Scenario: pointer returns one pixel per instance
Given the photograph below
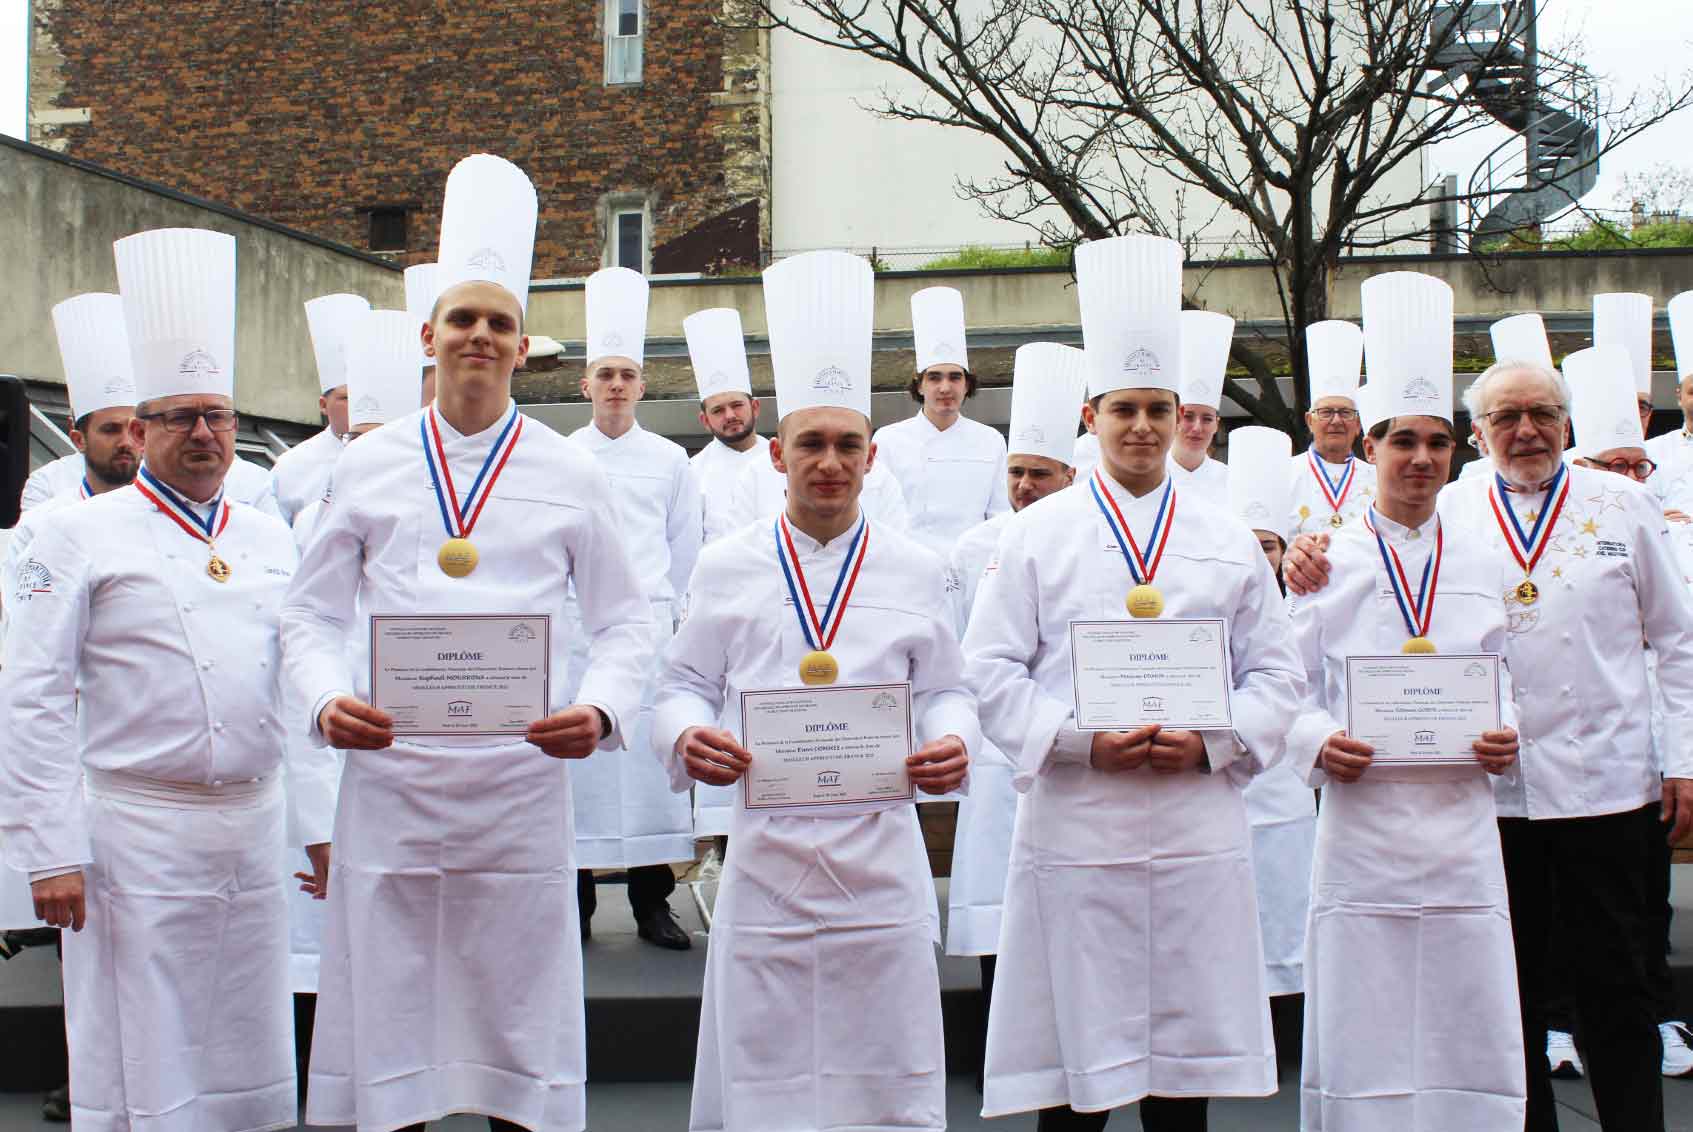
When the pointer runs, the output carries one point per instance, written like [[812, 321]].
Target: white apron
[[427, 928], [981, 857], [1411, 1019], [1283, 814], [176, 995], [822, 923], [626, 813]]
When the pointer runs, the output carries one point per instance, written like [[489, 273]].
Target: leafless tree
[[1286, 117]]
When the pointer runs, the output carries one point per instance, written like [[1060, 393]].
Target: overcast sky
[[1626, 41]]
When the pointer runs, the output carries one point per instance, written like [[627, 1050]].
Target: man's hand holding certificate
[[1420, 710]]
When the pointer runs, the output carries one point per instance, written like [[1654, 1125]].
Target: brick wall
[[312, 112]]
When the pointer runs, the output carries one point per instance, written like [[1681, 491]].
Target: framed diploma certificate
[[1422, 710], [1172, 672], [827, 747], [461, 674]]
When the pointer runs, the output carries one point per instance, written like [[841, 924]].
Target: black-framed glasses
[[1331, 414], [184, 420], [1541, 416], [1639, 469]]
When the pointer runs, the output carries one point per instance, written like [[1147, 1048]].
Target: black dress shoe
[[56, 1106], [659, 927]]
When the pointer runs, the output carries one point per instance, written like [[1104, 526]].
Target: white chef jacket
[[1101, 996], [301, 474], [1673, 481], [981, 844], [1608, 578], [55, 478], [435, 840], [245, 482], [169, 802], [1210, 479], [1411, 1015], [951, 479], [822, 1003], [717, 470], [761, 492], [1311, 511], [658, 502]]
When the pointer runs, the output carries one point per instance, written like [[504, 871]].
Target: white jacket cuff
[[61, 871]]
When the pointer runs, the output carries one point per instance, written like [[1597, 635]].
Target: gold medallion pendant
[[818, 668], [217, 569], [1527, 592], [1418, 646], [1336, 521], [1144, 601], [457, 557]]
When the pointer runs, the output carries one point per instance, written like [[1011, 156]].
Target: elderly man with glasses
[[1589, 582]]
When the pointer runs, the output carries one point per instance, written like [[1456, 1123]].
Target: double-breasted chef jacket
[[951, 478], [717, 470], [300, 475]]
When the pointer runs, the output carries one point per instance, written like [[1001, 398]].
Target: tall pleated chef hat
[[99, 373], [382, 377], [820, 309], [1408, 344], [1681, 332], [718, 351], [937, 324], [1368, 401], [488, 226], [1624, 319], [1334, 359], [1521, 338], [617, 315], [1206, 338], [1260, 490], [1603, 405], [178, 288], [331, 319], [1130, 290], [1048, 386], [423, 287]]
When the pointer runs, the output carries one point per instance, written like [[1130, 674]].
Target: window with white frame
[[629, 238], [625, 23]]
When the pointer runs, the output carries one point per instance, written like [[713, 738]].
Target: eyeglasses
[[1640, 469], [184, 420], [1542, 416], [1335, 414]]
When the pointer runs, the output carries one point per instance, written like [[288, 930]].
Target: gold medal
[[1418, 645], [1144, 601], [1527, 593], [457, 557], [1336, 521], [217, 569], [818, 668]]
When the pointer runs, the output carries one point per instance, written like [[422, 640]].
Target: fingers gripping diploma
[[1677, 807], [353, 725], [316, 883], [1123, 750], [1496, 750], [1345, 759], [570, 734], [712, 756], [59, 901], [940, 766], [1305, 566]]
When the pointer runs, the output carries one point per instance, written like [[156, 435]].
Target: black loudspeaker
[[14, 446]]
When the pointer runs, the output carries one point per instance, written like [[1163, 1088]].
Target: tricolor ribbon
[[1334, 492], [820, 631], [180, 511], [85, 490], [1528, 548], [460, 518], [1417, 611], [1141, 569]]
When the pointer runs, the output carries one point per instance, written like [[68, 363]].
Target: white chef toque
[[1681, 333], [1048, 385], [99, 373], [617, 315], [178, 288], [820, 309], [1408, 344], [331, 319], [1603, 404], [1624, 319], [1521, 338], [1130, 291], [488, 226], [1260, 490], [1206, 338], [422, 289], [718, 351], [1369, 401], [937, 325], [1334, 359], [381, 367]]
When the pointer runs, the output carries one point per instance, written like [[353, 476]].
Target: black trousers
[[649, 887], [495, 1124], [1589, 876], [1157, 1114]]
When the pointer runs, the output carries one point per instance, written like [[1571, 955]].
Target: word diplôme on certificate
[[828, 747], [461, 674], [1173, 672]]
